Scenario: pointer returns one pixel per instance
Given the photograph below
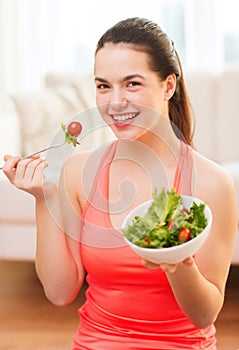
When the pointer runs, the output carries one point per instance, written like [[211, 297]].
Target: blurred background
[[39, 36]]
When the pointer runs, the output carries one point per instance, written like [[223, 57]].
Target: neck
[[150, 147], [162, 140]]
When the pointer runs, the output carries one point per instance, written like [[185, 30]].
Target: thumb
[[6, 157], [189, 261]]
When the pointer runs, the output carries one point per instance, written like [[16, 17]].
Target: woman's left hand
[[168, 268]]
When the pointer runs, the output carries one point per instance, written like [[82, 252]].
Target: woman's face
[[129, 95]]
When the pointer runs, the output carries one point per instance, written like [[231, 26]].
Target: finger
[[34, 156], [189, 261], [6, 157], [10, 166], [36, 185], [150, 264], [28, 179], [29, 168], [169, 268], [11, 162], [38, 173], [24, 164]]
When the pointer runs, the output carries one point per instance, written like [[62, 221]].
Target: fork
[[41, 151]]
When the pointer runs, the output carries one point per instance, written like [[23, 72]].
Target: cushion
[[227, 125], [12, 209], [82, 83]]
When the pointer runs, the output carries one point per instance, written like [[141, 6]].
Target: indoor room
[[48, 79]]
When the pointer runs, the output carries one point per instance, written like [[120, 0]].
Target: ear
[[170, 86]]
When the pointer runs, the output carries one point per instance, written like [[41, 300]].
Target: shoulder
[[210, 168], [211, 175], [80, 163], [80, 170]]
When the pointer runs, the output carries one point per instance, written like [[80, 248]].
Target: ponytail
[[180, 110]]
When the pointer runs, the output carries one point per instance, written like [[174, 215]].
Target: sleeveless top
[[129, 306]]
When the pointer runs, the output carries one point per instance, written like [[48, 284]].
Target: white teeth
[[124, 117]]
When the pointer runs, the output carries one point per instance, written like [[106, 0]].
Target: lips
[[122, 120]]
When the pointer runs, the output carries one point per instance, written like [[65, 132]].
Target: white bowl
[[173, 254]]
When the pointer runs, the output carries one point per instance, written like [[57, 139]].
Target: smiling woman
[[140, 93], [146, 105]]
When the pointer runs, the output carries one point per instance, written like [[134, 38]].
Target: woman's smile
[[123, 119]]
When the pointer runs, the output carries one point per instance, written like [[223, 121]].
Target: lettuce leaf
[[153, 230]]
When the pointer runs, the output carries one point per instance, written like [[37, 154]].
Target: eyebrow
[[126, 78]]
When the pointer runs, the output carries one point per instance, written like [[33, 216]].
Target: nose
[[118, 99], [118, 106]]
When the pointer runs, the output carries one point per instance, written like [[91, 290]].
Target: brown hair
[[144, 35]]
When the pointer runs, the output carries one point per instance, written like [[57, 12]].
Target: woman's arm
[[199, 283], [58, 262]]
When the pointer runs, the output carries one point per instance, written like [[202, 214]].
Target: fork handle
[[41, 151]]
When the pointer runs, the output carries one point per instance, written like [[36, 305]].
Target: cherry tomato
[[147, 239], [74, 128], [170, 224], [184, 235]]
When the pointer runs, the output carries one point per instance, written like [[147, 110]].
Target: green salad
[[167, 223]]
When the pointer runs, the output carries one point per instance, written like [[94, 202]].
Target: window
[[37, 37], [205, 32], [230, 28]]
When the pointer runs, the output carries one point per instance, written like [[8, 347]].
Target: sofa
[[34, 120]]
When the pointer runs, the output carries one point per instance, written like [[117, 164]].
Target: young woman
[[131, 303]]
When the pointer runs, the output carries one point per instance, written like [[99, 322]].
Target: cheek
[[100, 100], [102, 107], [102, 103], [144, 99]]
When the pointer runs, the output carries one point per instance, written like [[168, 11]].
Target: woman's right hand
[[26, 174]]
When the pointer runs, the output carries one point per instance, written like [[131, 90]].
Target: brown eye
[[102, 86], [133, 83]]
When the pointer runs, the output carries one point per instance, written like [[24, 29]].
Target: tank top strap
[[104, 168], [100, 189], [183, 174]]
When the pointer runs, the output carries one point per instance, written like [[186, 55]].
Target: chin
[[129, 133]]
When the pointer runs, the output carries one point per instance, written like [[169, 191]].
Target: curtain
[[27, 35], [39, 36]]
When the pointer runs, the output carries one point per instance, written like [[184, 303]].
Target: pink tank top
[[125, 299]]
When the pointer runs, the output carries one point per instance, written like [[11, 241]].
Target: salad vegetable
[[72, 131], [74, 128], [167, 223]]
